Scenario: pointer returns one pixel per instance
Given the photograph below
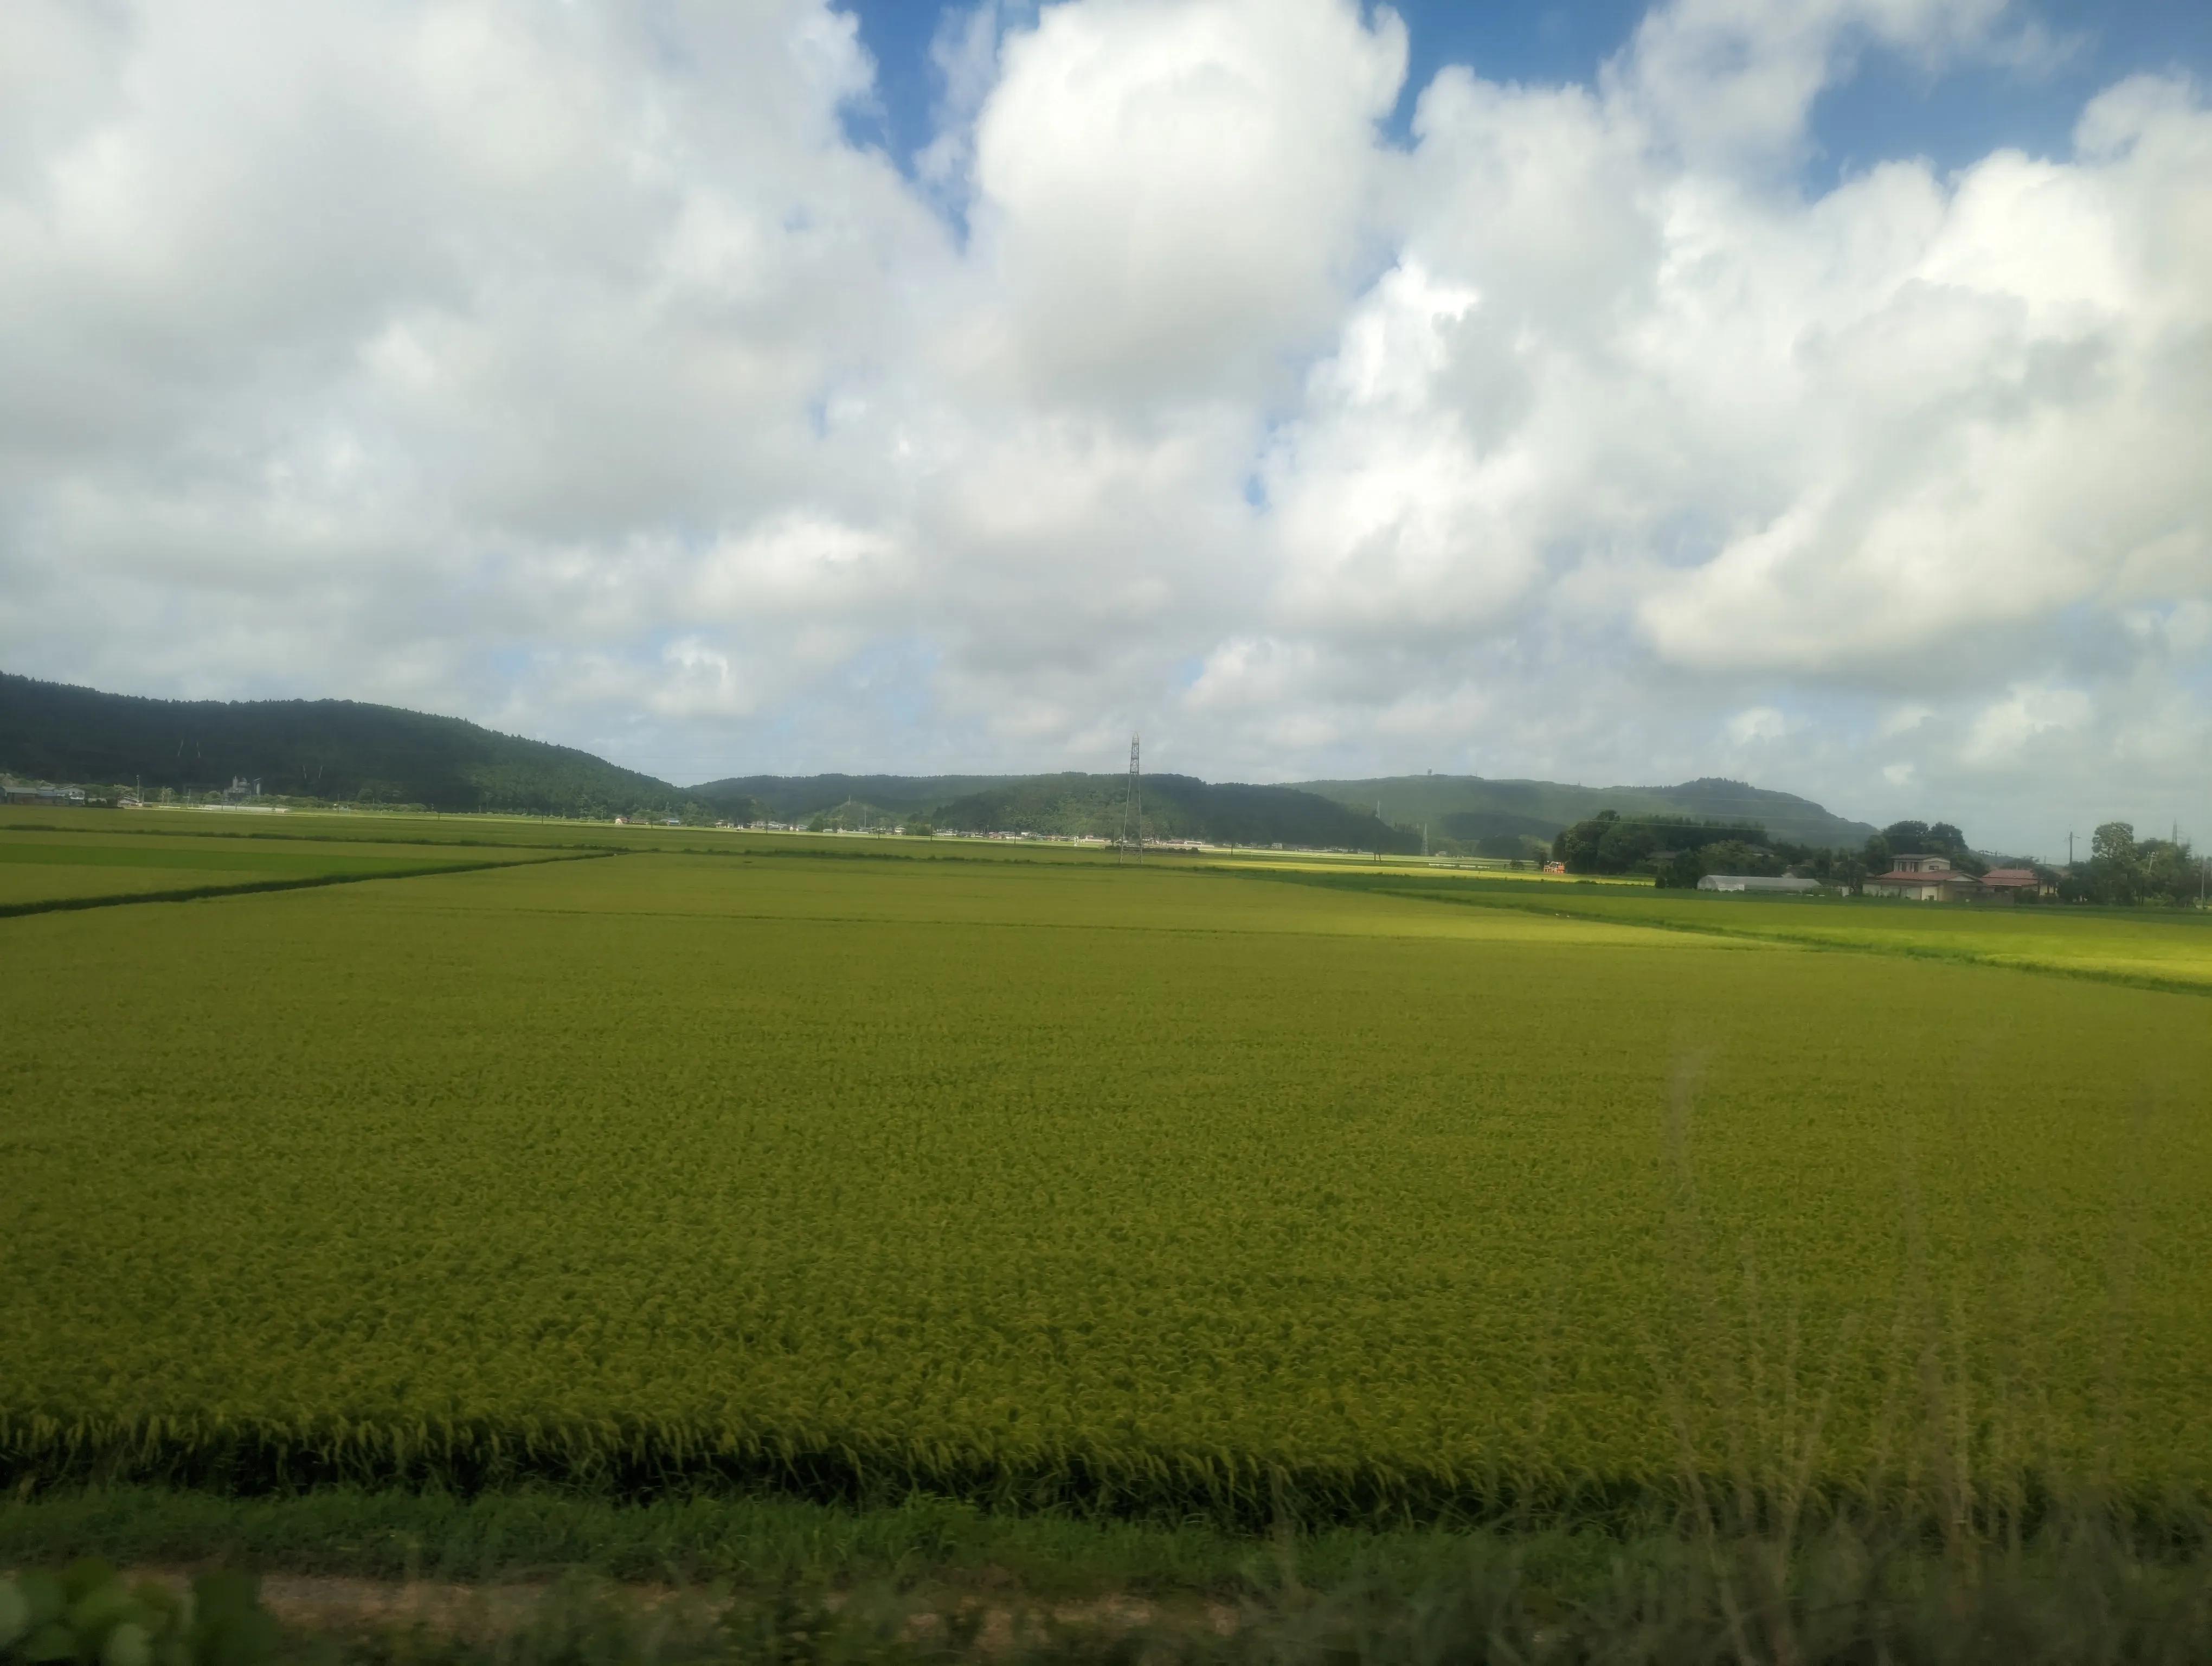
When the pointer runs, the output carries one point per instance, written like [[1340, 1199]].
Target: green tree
[[2113, 841], [1912, 838], [2113, 874], [2123, 870], [2166, 871], [1577, 847], [1625, 845], [1735, 856]]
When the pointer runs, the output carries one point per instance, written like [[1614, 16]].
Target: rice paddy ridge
[[43, 872], [246, 887]]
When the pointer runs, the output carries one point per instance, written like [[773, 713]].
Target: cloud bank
[[572, 369]]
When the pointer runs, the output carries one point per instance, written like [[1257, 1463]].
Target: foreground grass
[[530, 1533], [741, 1579]]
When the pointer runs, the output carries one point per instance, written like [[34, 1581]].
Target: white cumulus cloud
[[576, 369]]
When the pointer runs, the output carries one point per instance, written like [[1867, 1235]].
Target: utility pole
[[2069, 849]]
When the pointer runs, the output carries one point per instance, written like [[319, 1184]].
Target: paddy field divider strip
[[289, 834], [198, 893], [1699, 928]]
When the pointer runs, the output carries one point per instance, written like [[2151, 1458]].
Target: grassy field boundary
[[290, 834], [636, 1464], [396, 1532], [730, 842], [1486, 898], [546, 1580], [311, 882], [638, 1459]]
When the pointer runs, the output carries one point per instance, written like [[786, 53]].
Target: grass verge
[[771, 1580], [530, 1532]]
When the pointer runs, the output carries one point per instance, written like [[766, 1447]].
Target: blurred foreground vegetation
[[534, 1582]]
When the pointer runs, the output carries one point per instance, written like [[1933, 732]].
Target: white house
[[1757, 882]]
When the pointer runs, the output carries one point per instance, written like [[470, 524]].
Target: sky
[[1818, 395]]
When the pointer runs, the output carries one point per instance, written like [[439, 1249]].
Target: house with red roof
[[1923, 880]]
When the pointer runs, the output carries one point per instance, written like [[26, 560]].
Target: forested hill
[[338, 749], [1174, 807], [797, 798], [1497, 812], [1465, 810], [345, 752], [1071, 805]]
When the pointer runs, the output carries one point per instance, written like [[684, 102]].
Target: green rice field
[[2154, 948], [861, 1166], [41, 868]]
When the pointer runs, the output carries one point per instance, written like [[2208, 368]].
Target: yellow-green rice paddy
[[842, 1164]]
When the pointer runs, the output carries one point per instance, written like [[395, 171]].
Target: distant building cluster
[[23, 792], [1934, 880], [1916, 878], [244, 795]]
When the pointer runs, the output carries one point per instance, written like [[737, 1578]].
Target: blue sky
[[1889, 109]]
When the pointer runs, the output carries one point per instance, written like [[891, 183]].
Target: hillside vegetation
[[801, 798], [342, 751], [1068, 804], [1496, 815], [1174, 807], [349, 751]]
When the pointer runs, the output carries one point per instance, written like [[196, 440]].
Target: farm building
[[1757, 882], [16, 791], [2008, 884], [1923, 880]]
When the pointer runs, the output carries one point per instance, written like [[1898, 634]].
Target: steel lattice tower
[[1132, 812]]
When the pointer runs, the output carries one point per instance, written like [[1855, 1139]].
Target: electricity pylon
[[1132, 812]]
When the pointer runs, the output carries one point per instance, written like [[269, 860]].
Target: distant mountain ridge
[[347, 750], [1476, 810]]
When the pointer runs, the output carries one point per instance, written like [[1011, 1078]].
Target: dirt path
[[338, 1605]]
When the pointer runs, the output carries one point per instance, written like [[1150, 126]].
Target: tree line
[[1678, 851], [2123, 870]]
